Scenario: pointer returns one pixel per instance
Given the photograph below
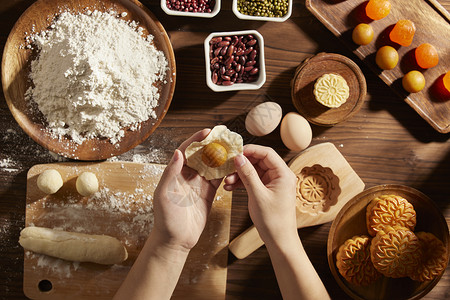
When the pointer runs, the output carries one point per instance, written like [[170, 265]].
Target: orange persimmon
[[446, 81], [378, 9], [426, 56], [403, 32]]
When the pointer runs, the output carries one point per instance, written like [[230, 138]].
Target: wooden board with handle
[[123, 209], [432, 23], [326, 182]]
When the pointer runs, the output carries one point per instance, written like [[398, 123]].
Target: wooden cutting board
[[432, 23], [122, 208]]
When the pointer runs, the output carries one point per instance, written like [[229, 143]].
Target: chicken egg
[[263, 118], [295, 132]]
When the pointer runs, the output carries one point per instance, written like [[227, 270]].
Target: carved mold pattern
[[317, 189]]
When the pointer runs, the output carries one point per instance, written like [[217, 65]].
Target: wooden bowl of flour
[[16, 67]]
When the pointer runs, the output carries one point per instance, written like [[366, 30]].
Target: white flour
[[95, 74]]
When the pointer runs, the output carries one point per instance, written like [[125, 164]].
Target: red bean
[[201, 6], [233, 59]]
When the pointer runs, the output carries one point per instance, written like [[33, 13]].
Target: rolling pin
[[249, 241]]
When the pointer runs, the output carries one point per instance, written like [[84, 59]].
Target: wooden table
[[386, 142]]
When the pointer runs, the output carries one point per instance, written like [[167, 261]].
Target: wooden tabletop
[[386, 142]]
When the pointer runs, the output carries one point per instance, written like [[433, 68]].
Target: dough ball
[[87, 184], [49, 181]]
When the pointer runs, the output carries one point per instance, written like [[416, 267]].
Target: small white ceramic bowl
[[168, 11], [237, 86], [256, 18]]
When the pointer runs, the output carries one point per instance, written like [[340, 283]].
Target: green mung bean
[[263, 8]]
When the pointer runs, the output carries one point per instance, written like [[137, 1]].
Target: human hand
[[270, 186], [182, 200]]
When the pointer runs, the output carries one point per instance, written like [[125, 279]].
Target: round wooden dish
[[351, 221], [303, 86], [16, 67]]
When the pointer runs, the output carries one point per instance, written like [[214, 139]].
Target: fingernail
[[239, 160], [176, 155]]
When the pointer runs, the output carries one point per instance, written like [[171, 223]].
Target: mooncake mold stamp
[[213, 158], [317, 189], [434, 259], [396, 252], [389, 210], [354, 263]]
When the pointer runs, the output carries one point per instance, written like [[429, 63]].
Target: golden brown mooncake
[[353, 261], [396, 252], [389, 210], [434, 257]]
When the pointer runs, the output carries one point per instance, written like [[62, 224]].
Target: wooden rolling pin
[[325, 155]]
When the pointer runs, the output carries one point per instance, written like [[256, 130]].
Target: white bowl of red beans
[[191, 8], [251, 10], [235, 60]]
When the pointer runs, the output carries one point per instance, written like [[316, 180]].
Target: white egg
[[295, 132], [263, 118]]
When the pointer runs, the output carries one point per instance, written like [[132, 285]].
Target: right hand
[[270, 186]]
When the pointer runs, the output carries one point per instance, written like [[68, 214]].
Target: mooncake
[[396, 252], [389, 210], [331, 90], [434, 257], [354, 263]]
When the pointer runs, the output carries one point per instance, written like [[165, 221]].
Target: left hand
[[182, 200]]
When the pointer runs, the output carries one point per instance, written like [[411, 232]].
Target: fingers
[[196, 137], [248, 174], [174, 167], [268, 158], [232, 187]]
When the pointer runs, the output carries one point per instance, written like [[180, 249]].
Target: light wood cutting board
[[432, 23], [123, 209]]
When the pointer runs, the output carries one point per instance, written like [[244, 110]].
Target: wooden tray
[[122, 210], [303, 86], [16, 67], [432, 26], [351, 221]]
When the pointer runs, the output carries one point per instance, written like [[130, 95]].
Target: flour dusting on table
[[95, 75]]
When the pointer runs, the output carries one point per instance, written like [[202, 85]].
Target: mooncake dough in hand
[[389, 210], [354, 263], [213, 158]]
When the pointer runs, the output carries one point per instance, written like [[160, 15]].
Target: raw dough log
[[73, 246]]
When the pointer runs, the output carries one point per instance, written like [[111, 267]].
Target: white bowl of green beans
[[269, 10]]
